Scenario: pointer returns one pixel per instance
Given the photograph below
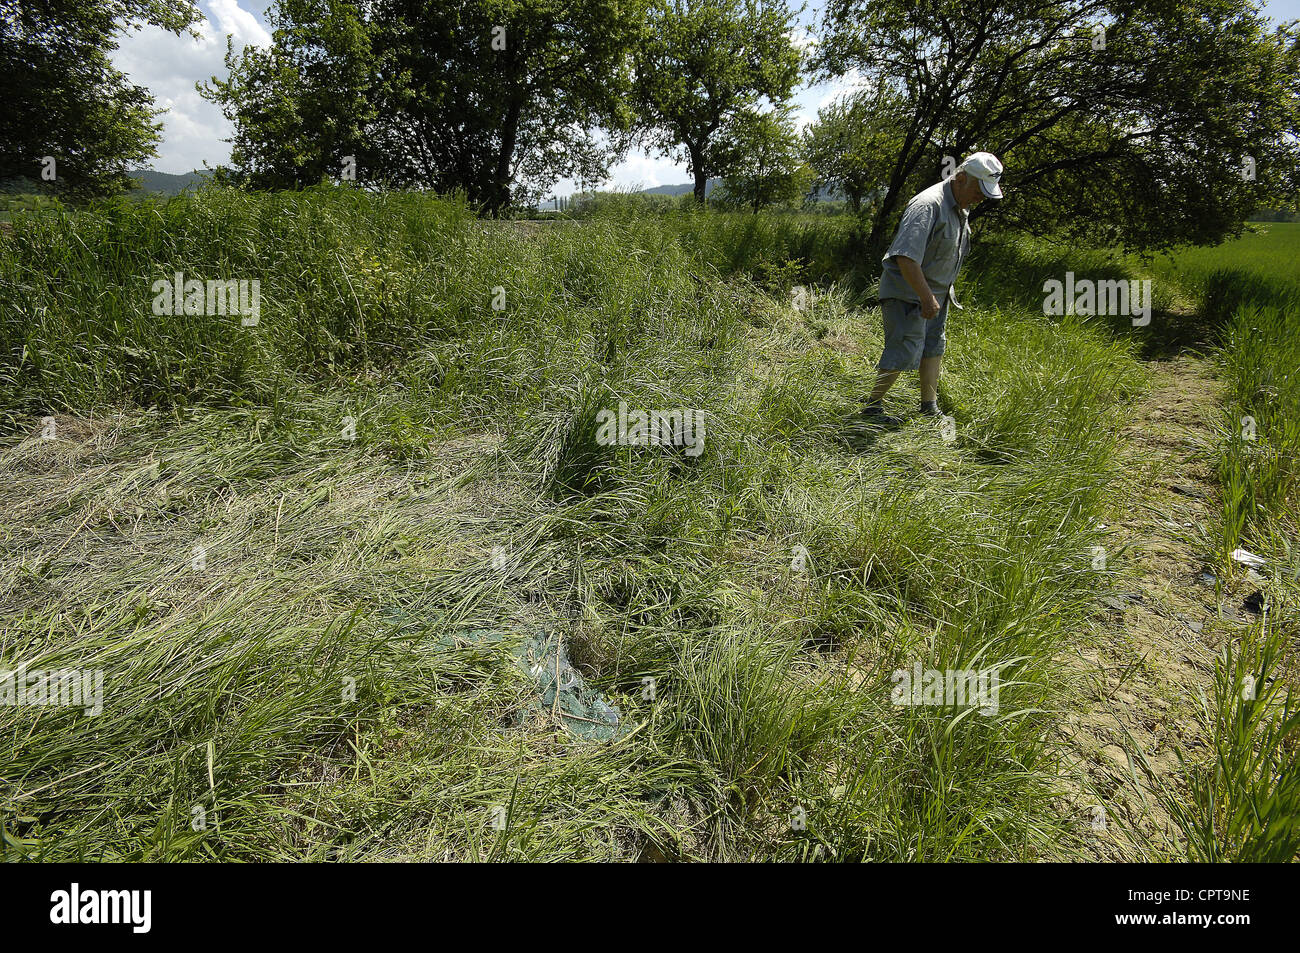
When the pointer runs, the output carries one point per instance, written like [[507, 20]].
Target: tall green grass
[[1244, 804], [777, 248]]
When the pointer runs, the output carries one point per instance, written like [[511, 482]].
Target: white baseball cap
[[985, 167]]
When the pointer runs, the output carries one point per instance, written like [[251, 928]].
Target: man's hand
[[913, 275]]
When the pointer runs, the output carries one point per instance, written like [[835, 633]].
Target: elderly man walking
[[920, 267]]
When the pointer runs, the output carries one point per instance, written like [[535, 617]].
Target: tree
[[854, 141], [496, 98], [763, 159], [706, 65], [1118, 121], [71, 124], [302, 105]]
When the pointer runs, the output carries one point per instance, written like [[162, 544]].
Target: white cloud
[[235, 20], [193, 129], [640, 170], [645, 171], [850, 82], [804, 40]]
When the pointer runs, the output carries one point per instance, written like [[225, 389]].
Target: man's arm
[[912, 274]]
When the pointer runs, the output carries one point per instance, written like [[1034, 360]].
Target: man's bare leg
[[929, 379], [884, 381]]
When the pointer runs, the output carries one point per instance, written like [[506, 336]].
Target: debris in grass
[[1228, 614], [1247, 558], [1256, 602], [580, 708]]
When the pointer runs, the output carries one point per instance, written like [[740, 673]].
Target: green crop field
[[1270, 253]]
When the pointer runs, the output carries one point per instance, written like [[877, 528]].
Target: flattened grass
[[745, 609]]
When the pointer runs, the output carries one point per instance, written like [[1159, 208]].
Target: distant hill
[[709, 186], [826, 195], [23, 192], [165, 183]]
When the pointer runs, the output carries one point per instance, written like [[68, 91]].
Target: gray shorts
[[908, 336]]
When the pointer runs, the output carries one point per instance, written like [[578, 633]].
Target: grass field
[[305, 553]]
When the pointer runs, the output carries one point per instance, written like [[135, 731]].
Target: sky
[[194, 129]]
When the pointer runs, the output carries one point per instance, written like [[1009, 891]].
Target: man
[[920, 267]]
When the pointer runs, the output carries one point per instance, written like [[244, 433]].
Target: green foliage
[[820, 246], [1259, 463], [1248, 294], [1245, 799], [855, 140], [346, 311], [765, 166], [63, 99], [1095, 136], [493, 98], [702, 69]]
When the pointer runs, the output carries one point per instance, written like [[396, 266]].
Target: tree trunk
[[701, 173], [878, 238], [874, 246], [498, 193]]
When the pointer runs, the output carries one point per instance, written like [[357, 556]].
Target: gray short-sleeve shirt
[[935, 233]]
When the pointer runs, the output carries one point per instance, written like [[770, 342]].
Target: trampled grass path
[[1151, 656]]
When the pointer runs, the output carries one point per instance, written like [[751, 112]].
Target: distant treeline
[[1275, 215]]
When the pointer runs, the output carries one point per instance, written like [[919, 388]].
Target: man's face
[[966, 190]]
